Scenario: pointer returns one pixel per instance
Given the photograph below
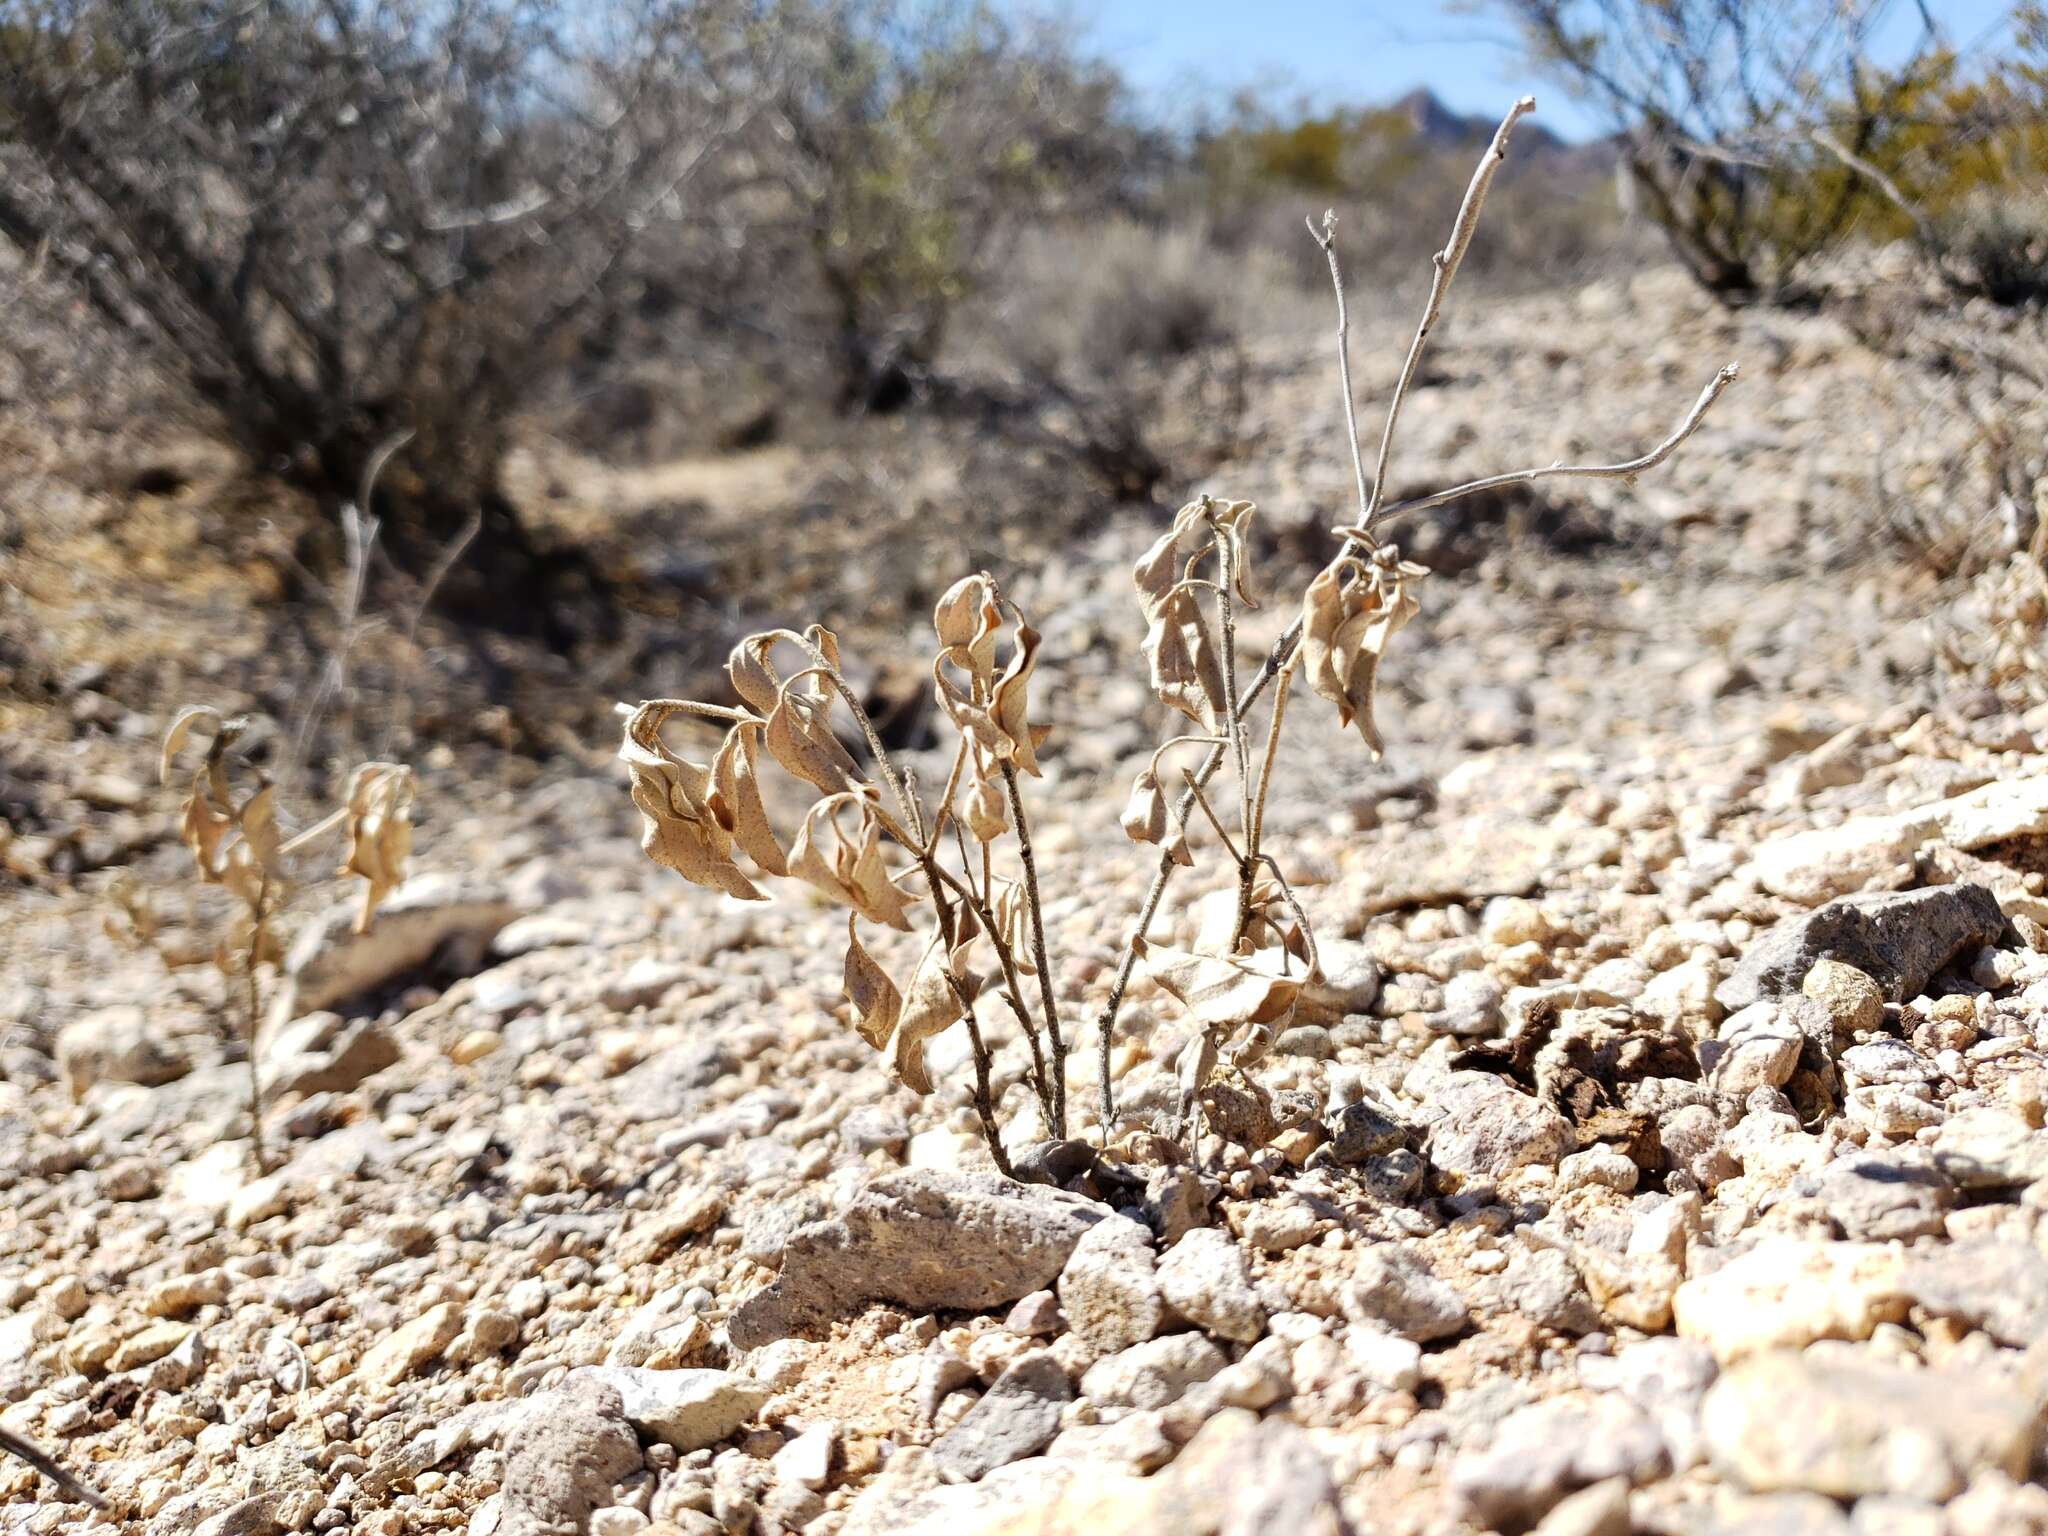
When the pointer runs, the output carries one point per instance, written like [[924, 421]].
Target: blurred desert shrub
[[1762, 135], [908, 141], [1126, 339], [1253, 170], [340, 224]]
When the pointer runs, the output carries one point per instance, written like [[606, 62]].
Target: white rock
[[1812, 867], [1787, 1292], [686, 1409], [1203, 1278]]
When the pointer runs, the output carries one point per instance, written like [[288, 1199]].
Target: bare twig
[[1446, 261], [1628, 469], [46, 1464], [1039, 959], [1357, 542]]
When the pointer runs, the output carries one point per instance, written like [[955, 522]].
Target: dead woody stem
[[1358, 561]]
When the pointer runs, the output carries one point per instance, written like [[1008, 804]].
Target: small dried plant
[[878, 850], [235, 844]]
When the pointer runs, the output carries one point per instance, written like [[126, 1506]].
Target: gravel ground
[[1662, 1153]]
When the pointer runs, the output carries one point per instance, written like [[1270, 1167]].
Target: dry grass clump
[[873, 844], [235, 844]]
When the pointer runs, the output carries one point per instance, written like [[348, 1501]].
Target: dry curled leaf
[[1220, 992], [847, 866], [736, 797], [931, 1006], [799, 737], [1186, 668], [1144, 818], [232, 845], [992, 710], [1185, 665], [1012, 914], [379, 802], [1276, 923], [1345, 630], [678, 829], [876, 1002], [967, 619], [985, 810]]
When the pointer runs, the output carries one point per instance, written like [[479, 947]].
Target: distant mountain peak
[[1436, 123]]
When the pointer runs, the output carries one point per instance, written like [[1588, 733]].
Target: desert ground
[[1660, 1147]]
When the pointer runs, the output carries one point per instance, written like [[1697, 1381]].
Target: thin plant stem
[[1039, 958], [1446, 263], [1282, 679], [1626, 469], [47, 1464], [1209, 812], [259, 928], [984, 1101]]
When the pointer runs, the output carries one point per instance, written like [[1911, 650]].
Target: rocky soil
[[1669, 1156]]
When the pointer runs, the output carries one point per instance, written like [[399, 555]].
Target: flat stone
[[1998, 1285], [564, 1452], [1991, 1148], [324, 1053], [1109, 1287], [1487, 1129], [1394, 1288], [1852, 999], [1275, 1226], [1203, 1278], [1787, 1292], [1829, 861], [1881, 1196], [1017, 1417], [149, 1343], [1238, 1476], [1361, 1130], [413, 1347], [923, 1239], [330, 962], [686, 1409], [1848, 1428], [118, 1045], [1899, 939], [662, 1333], [1540, 1453], [1152, 1374]]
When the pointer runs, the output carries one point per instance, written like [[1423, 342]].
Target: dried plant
[[235, 844], [870, 843], [47, 1464]]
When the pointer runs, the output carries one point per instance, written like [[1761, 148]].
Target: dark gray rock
[[1900, 939], [1017, 1417], [563, 1453], [1878, 1196], [923, 1239], [1362, 1130]]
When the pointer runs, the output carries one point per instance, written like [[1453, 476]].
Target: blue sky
[[1337, 53]]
